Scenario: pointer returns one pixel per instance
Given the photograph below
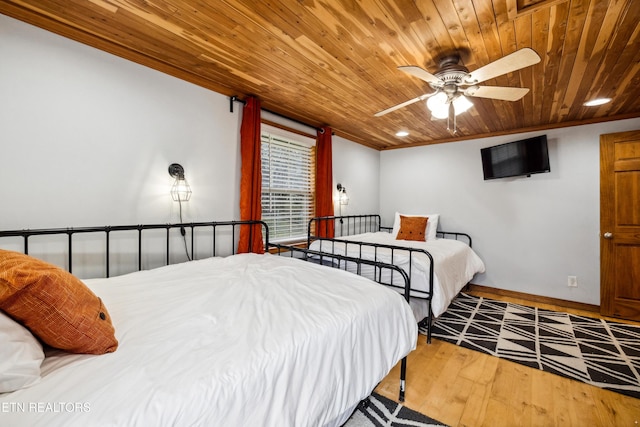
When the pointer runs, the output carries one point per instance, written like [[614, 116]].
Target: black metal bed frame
[[140, 228], [356, 224], [337, 261], [345, 225]]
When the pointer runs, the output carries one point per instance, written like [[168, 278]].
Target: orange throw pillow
[[412, 228], [55, 305]]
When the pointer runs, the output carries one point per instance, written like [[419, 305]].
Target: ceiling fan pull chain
[[452, 113]]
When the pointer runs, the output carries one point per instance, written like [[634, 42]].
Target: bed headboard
[[357, 224], [141, 247], [344, 225]]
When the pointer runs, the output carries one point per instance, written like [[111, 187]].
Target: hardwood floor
[[462, 387]]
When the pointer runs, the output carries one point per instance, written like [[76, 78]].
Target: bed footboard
[[328, 248], [342, 262], [455, 235]]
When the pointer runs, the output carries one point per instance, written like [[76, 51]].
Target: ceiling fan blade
[[421, 73], [404, 104], [497, 92], [519, 59]]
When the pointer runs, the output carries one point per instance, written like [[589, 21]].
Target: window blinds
[[288, 183]]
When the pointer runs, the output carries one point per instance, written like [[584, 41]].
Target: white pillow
[[432, 225], [20, 356]]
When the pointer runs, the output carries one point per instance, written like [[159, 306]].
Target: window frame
[[293, 141]]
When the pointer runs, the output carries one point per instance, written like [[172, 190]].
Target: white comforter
[[455, 263], [247, 340]]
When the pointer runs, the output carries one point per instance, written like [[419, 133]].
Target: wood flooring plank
[[543, 400], [462, 387], [476, 406]]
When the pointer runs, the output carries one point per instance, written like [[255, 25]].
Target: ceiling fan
[[453, 82]]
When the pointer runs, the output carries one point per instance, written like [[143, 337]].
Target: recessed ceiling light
[[402, 133], [596, 102]]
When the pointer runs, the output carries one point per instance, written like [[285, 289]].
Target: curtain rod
[[236, 99]]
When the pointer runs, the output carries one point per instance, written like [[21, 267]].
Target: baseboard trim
[[534, 298]]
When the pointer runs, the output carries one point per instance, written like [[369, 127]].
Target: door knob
[[608, 235]]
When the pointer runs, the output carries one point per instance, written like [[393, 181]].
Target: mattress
[[455, 264], [244, 340]]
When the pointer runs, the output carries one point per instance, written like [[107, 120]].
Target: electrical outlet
[[572, 281]]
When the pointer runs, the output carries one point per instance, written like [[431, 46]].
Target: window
[[288, 183]]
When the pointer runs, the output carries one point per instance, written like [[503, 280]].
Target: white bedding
[[455, 264], [247, 340]]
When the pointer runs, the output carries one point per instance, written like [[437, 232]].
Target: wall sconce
[[180, 190], [342, 195], [343, 199]]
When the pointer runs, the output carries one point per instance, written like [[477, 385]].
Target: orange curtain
[[250, 239], [324, 182]]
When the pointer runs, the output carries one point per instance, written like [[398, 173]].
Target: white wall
[[531, 232], [86, 139], [357, 168]]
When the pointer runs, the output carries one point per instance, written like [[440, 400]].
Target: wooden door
[[620, 225]]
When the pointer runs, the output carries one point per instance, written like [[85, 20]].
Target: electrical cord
[[183, 231]]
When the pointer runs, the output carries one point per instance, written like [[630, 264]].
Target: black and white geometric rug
[[598, 352], [382, 412]]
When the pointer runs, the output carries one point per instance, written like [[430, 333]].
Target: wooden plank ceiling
[[330, 62]]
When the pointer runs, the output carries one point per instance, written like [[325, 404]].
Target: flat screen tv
[[517, 158]]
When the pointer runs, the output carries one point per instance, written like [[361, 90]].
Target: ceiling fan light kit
[[453, 83], [439, 105]]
